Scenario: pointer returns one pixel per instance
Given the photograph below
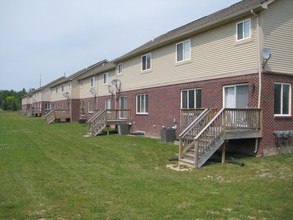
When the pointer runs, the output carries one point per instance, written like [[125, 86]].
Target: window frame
[[92, 81], [142, 109], [282, 100], [108, 103], [146, 62], [187, 98], [120, 69], [243, 30], [106, 77], [90, 106], [184, 59]]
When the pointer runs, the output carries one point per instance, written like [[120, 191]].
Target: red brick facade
[[270, 122]]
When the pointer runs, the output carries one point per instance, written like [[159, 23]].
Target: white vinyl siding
[[142, 104], [243, 30], [282, 99], [183, 51]]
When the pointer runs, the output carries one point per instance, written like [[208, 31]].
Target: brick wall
[[270, 122], [164, 102]]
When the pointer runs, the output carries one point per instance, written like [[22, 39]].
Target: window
[[243, 30], [142, 104], [93, 80], [47, 105], [183, 51], [191, 98], [90, 107], [80, 83], [146, 62], [236, 96], [119, 68], [62, 87], [108, 104], [106, 78], [56, 89], [282, 99]]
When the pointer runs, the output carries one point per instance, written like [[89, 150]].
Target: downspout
[[259, 70]]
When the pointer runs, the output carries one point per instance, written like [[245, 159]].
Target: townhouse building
[[228, 75]]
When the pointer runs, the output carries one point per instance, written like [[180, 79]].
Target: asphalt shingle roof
[[217, 18]]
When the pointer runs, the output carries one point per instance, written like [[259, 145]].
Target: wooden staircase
[[97, 122], [50, 117], [107, 117], [61, 115], [206, 134], [200, 140]]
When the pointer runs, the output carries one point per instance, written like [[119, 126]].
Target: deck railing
[[243, 119], [187, 136], [61, 114], [107, 117], [187, 116]]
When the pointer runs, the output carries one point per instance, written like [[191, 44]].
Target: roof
[[99, 69], [79, 73], [215, 19]]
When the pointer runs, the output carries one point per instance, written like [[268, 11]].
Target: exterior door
[[123, 106], [236, 96]]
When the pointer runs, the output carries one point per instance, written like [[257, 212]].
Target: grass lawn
[[53, 172]]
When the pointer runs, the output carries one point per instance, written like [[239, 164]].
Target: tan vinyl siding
[[215, 54], [278, 36], [100, 88], [46, 94]]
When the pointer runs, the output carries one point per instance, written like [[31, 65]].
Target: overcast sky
[[49, 38]]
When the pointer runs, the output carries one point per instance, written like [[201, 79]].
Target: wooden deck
[[237, 123], [210, 130]]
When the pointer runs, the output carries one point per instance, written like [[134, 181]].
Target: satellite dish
[[92, 90], [266, 53], [115, 82]]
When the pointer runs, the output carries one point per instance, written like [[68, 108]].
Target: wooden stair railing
[[97, 122], [50, 117], [186, 137], [205, 143]]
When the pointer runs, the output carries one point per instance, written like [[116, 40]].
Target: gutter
[[187, 34]]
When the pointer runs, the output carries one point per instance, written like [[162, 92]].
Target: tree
[[11, 100]]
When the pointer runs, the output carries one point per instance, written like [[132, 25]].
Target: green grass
[[53, 172]]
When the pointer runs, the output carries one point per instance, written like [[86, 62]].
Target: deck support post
[[224, 152]]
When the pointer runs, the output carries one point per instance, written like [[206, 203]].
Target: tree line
[[11, 100]]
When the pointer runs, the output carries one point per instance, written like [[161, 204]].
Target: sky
[[42, 40]]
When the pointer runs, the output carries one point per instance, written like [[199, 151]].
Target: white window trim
[[188, 99], [120, 73], [184, 59], [290, 100], [141, 113], [107, 78], [93, 81], [229, 86], [146, 70], [250, 32], [88, 105]]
